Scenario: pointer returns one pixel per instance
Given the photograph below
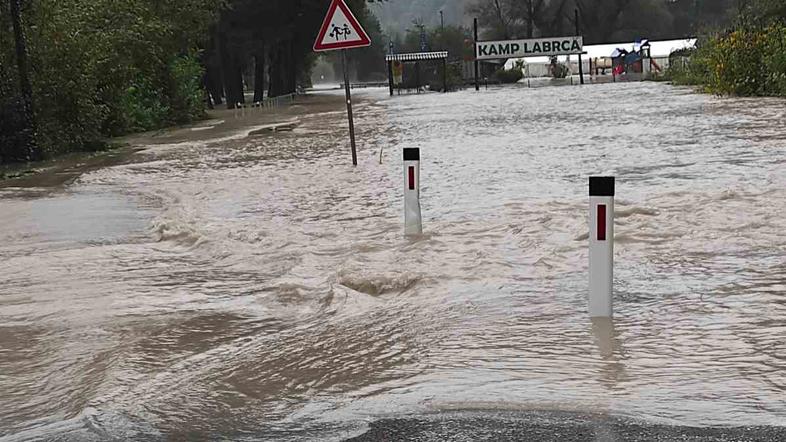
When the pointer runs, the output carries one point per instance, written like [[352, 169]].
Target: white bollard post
[[601, 247], [412, 220]]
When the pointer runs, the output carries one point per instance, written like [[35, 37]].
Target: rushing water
[[262, 287]]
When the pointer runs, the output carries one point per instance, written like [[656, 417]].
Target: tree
[[603, 21], [27, 138], [274, 39], [99, 68], [497, 18]]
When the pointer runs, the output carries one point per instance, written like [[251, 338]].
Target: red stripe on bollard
[[411, 177], [601, 222]]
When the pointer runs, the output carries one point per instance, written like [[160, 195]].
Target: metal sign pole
[[477, 74], [349, 107]]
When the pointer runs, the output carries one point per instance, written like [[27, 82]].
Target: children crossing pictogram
[[340, 30]]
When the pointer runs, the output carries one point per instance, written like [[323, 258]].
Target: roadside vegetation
[[74, 73], [748, 59], [96, 69], [513, 75]]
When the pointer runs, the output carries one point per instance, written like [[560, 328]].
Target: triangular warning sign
[[340, 30]]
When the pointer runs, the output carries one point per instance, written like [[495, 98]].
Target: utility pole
[[31, 151]]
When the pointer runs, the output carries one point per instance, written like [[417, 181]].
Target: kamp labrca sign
[[489, 50]]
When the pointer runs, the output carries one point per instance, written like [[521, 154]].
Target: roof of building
[[417, 56]]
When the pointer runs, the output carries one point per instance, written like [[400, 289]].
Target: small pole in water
[[578, 33], [601, 246], [349, 107], [444, 74], [413, 224], [417, 76], [390, 76]]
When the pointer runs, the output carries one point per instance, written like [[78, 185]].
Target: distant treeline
[[604, 21], [273, 40], [601, 21]]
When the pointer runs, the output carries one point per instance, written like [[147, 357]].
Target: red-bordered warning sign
[[340, 30]]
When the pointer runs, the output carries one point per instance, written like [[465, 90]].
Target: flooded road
[[262, 287]]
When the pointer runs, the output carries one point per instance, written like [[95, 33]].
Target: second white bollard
[[601, 247], [413, 225]]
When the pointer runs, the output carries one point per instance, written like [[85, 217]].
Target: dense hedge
[[749, 60], [509, 76], [743, 62]]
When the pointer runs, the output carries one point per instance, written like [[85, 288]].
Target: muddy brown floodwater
[[262, 288]]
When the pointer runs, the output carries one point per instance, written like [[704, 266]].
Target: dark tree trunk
[[231, 73], [240, 92], [227, 70], [215, 84], [214, 69], [206, 88], [283, 69], [30, 152], [277, 74], [291, 68], [272, 77], [259, 75]]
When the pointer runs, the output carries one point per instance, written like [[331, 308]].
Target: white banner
[[539, 47]]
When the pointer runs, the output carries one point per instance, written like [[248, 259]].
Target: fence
[[267, 103]]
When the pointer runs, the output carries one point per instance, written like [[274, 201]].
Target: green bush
[[102, 68], [140, 109], [744, 62], [454, 79], [187, 98], [509, 76], [688, 69]]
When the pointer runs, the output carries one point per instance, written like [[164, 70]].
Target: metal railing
[[267, 103]]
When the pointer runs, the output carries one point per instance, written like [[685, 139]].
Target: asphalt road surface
[[551, 426]]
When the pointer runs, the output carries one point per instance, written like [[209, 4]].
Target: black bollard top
[[411, 154], [601, 186]]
